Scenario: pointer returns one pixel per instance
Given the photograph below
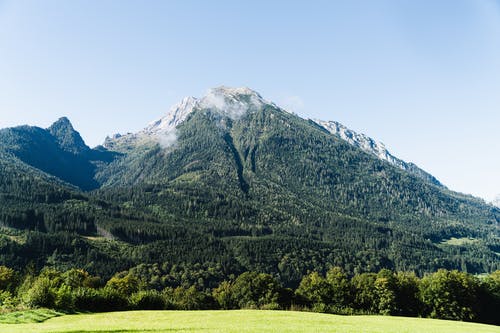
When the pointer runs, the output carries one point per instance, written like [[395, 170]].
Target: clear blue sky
[[421, 76]]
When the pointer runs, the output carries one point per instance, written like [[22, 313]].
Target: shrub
[[126, 284], [99, 300], [223, 295], [40, 294], [188, 299], [64, 298], [7, 300], [147, 300], [76, 278], [8, 278]]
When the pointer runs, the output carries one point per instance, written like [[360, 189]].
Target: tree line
[[444, 294]]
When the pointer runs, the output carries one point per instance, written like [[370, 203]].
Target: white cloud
[[292, 103], [225, 101], [166, 139]]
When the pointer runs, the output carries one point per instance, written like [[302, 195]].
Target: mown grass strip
[[28, 316]]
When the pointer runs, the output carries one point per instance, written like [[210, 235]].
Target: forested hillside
[[255, 190]]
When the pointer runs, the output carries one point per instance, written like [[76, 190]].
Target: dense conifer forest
[[267, 192]]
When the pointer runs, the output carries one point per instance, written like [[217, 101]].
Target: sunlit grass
[[460, 241], [242, 321]]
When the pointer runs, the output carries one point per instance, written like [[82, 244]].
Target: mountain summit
[[69, 139], [224, 101], [233, 103]]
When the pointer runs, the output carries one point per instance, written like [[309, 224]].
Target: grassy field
[[241, 321]]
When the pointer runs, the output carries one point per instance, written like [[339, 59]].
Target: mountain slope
[[232, 181], [267, 172], [58, 151], [268, 144]]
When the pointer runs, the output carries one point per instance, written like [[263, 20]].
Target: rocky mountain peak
[[230, 102], [176, 115], [67, 137]]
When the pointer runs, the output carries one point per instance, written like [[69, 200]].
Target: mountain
[[58, 151], [66, 136], [496, 201], [229, 103], [376, 148], [233, 182]]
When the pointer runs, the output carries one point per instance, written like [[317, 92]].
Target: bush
[[40, 294], [99, 300], [222, 294], [86, 299], [188, 299], [270, 306], [8, 278], [76, 278], [147, 300], [125, 284], [64, 298], [7, 300], [320, 307]]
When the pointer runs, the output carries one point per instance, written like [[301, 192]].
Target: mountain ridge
[[235, 102], [374, 147], [58, 150]]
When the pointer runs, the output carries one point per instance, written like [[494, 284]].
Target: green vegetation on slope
[[243, 321], [268, 192]]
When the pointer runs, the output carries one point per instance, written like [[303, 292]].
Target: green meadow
[[236, 321]]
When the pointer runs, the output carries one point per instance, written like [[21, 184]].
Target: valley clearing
[[241, 321]]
